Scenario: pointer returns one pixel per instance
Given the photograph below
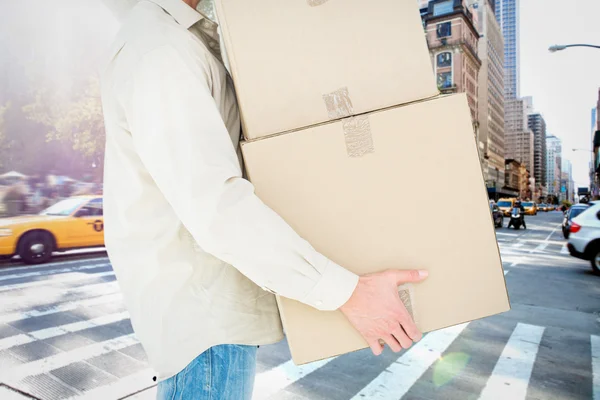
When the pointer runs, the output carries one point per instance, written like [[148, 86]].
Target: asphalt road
[[64, 333]]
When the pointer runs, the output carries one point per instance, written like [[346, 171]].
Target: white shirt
[[194, 250]]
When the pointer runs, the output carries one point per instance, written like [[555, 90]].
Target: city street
[[64, 332]]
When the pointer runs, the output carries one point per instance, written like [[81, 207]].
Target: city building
[[491, 140], [452, 39], [537, 125], [567, 184], [507, 15], [594, 163], [526, 183], [553, 165], [520, 147]]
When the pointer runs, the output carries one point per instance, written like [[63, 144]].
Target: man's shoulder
[[147, 27]]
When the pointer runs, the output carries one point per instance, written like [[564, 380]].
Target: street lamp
[[559, 47]]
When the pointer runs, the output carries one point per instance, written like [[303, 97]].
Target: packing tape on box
[[357, 130], [315, 3], [407, 295]]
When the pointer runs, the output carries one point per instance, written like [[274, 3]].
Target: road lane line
[[54, 331], [123, 387], [272, 381], [52, 271], [540, 248], [564, 250], [53, 264], [395, 381], [595, 342], [44, 296], [553, 232], [512, 372], [506, 272], [76, 276], [61, 307], [59, 360]]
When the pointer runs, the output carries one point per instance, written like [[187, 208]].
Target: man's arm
[[180, 137]]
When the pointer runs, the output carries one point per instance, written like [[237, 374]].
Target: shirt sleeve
[[179, 134]]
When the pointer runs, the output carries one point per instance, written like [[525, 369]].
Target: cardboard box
[[285, 56], [413, 197]]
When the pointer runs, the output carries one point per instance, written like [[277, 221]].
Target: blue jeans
[[224, 372]]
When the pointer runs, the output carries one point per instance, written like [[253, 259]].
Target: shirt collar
[[185, 15]]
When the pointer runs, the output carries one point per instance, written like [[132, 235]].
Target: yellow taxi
[[506, 206], [531, 208], [73, 223]]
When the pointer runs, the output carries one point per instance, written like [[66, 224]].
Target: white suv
[[584, 240]]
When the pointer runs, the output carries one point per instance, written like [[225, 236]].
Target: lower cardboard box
[[397, 188]]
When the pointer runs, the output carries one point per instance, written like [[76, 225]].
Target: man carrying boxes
[[333, 99]]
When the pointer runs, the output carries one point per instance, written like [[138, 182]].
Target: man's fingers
[[411, 330], [414, 275], [402, 337], [392, 343], [376, 347]]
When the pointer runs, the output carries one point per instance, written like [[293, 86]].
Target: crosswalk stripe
[[23, 268], [39, 298], [270, 382], [398, 378], [52, 271], [47, 333], [67, 306], [59, 360], [510, 377], [62, 279], [123, 387], [595, 342]]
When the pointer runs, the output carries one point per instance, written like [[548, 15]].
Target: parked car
[[584, 236], [531, 208], [73, 223], [571, 213], [497, 215]]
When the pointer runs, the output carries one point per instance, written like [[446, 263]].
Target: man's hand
[[376, 311]]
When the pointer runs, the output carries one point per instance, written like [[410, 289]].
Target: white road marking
[[123, 387], [506, 273], [564, 250], [63, 359], [512, 372], [540, 248], [74, 277], [552, 233], [506, 234], [398, 378], [54, 295], [47, 333], [67, 306], [270, 382], [517, 245], [24, 268], [595, 341], [52, 271]]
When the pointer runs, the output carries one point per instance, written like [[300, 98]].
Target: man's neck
[[192, 3]]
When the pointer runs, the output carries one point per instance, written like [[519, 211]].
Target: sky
[[564, 85]]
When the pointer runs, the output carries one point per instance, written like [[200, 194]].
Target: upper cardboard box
[[371, 193], [287, 56]]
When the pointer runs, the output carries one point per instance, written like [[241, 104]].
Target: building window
[[444, 60], [444, 30], [445, 7], [444, 80]]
